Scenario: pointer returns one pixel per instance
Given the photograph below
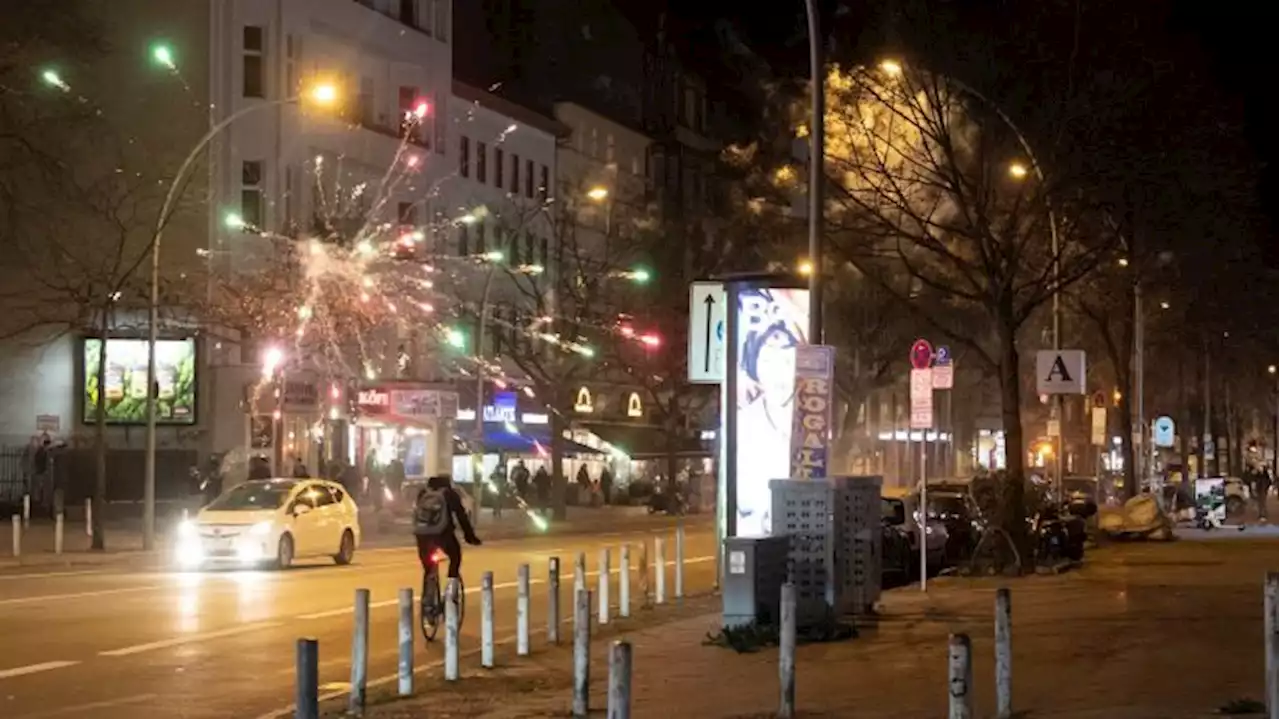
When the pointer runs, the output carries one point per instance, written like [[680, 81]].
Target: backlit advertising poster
[[125, 383], [771, 323], [811, 434]]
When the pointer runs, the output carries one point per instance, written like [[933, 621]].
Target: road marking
[[177, 641], [78, 595], [50, 575], [347, 610], [34, 669], [94, 706]]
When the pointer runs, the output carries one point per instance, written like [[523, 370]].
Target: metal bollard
[[306, 696], [620, 681], [644, 574], [17, 535], [26, 510], [451, 632], [603, 582], [405, 665], [553, 601], [680, 560], [1004, 654], [486, 620], [581, 652], [580, 573], [787, 654], [522, 610], [624, 581], [360, 653], [1272, 641], [58, 528], [960, 677], [659, 571], [88, 516]]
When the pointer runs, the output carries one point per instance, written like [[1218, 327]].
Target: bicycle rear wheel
[[432, 605]]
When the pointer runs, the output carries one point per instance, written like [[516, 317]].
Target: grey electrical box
[[755, 569]]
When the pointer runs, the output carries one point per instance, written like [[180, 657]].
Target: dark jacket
[[457, 513]]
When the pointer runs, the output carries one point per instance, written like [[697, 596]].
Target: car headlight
[[187, 529], [261, 529]]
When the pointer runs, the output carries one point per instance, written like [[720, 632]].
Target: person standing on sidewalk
[[1261, 487]]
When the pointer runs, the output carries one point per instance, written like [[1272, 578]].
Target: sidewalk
[[124, 536], [1151, 631]]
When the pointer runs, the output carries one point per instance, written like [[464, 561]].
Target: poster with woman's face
[[771, 323]]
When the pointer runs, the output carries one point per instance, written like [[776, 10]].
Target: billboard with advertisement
[[770, 322], [811, 434], [125, 385]]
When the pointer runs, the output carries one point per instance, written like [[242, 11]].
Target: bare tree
[[927, 205]]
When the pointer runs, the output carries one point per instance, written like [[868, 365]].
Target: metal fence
[[74, 470], [13, 475]]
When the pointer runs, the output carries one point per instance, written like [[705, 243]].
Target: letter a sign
[[1060, 372]]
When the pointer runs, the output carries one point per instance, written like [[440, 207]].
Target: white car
[[272, 521]]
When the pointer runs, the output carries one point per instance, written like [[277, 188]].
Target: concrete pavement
[[119, 642]]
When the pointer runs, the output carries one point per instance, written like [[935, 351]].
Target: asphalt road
[[119, 643]]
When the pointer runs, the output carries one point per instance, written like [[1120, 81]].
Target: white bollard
[[522, 610], [58, 530], [787, 653], [619, 706], [451, 632], [405, 665], [580, 573], [88, 516], [26, 510], [659, 571], [624, 581], [680, 560], [603, 586], [360, 653], [486, 620], [17, 535], [553, 601], [581, 653], [1004, 654], [960, 677], [1272, 640]]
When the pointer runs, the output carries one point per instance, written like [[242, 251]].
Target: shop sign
[[503, 408], [811, 436], [584, 403], [634, 407], [374, 401]]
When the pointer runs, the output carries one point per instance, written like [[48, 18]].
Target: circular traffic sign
[[921, 354]]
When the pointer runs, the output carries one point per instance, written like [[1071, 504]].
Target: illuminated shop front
[[408, 421]]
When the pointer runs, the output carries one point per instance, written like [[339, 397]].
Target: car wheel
[[1235, 505], [346, 548], [284, 552]]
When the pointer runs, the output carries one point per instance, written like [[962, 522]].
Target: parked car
[[896, 555], [272, 521], [935, 532]]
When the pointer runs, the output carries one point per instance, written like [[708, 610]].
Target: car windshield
[[947, 507], [251, 496]]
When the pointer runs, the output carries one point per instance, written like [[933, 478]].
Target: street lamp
[[598, 194], [805, 268], [817, 169], [1017, 170], [323, 94]]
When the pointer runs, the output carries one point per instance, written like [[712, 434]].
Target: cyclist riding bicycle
[[434, 512]]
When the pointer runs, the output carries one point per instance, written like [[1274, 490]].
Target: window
[[409, 12], [480, 237], [441, 19], [528, 178], [464, 156], [498, 159], [542, 252], [321, 494], [528, 248], [595, 143], [514, 243], [437, 128], [482, 164], [290, 207], [251, 193], [410, 125], [464, 240], [407, 213], [544, 186], [515, 173], [255, 77], [364, 102], [290, 66], [608, 147]]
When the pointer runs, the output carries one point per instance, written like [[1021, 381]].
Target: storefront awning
[[647, 441], [531, 441]]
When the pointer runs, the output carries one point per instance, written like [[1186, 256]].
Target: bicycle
[[433, 598]]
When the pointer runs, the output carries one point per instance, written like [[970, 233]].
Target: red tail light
[[438, 556]]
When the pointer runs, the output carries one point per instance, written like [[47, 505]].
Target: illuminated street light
[[467, 219], [323, 93], [1271, 369], [598, 194], [53, 79], [272, 358], [455, 338], [163, 55], [805, 268], [493, 255], [640, 275], [1164, 305], [1017, 170], [1123, 262], [234, 221], [891, 68]]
